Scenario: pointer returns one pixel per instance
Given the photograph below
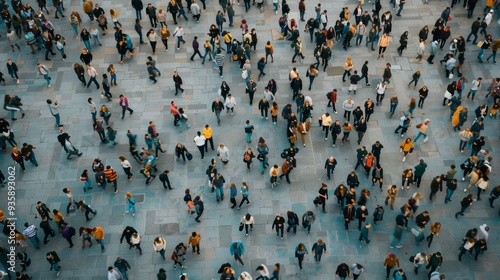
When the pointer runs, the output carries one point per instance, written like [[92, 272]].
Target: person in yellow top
[[392, 193], [2, 216], [383, 43], [274, 113], [207, 132], [274, 172], [347, 68], [406, 147], [87, 8], [98, 234], [269, 51], [59, 218], [303, 129], [194, 241]]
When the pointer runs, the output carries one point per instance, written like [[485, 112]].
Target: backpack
[[30, 38]]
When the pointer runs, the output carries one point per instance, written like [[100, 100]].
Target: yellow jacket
[[406, 146]]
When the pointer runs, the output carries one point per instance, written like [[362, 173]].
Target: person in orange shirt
[[112, 176], [194, 241], [98, 234]]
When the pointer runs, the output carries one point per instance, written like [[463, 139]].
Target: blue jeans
[[59, 10], [56, 266], [87, 44], [47, 78], [19, 109], [248, 137], [138, 14], [125, 273], [61, 51], [393, 109], [481, 54], [182, 123], [94, 115], [32, 158], [35, 241], [100, 243], [58, 119], [395, 242], [418, 136], [494, 55], [400, 8], [97, 40], [263, 163], [75, 29], [275, 6], [449, 194], [130, 207], [219, 193], [294, 227], [472, 139], [179, 40], [113, 79], [206, 53], [87, 184]]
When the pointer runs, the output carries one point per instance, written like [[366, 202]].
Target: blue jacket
[[240, 250], [233, 192], [244, 191]]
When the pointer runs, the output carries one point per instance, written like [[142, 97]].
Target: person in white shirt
[[348, 106], [419, 261], [113, 274], [44, 71], [381, 92], [153, 38], [474, 87], [179, 33], [200, 140], [93, 75], [247, 221], [230, 103], [223, 154]]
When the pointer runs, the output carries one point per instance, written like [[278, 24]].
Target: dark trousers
[[93, 79], [294, 227], [245, 198], [211, 140], [278, 229], [153, 22], [124, 109], [286, 176], [196, 52], [388, 271], [70, 241], [418, 179], [46, 236], [347, 114], [82, 79], [166, 183], [301, 259], [202, 151]]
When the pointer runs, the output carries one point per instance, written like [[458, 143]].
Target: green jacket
[[420, 169]]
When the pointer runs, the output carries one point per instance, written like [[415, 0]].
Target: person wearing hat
[[390, 261]]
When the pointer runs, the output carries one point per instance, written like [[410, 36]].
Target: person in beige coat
[[422, 130], [392, 193], [303, 129], [326, 122]]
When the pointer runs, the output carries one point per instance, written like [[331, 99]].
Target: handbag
[[189, 156], [244, 74], [462, 166], [480, 44], [412, 259], [450, 76], [219, 92], [241, 226]]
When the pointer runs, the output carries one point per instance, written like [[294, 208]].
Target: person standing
[[194, 241], [12, 69], [199, 207], [207, 132], [237, 250], [54, 261], [223, 154], [349, 213], [200, 142], [217, 108], [251, 87], [178, 83], [44, 71], [31, 232], [392, 193], [54, 111]]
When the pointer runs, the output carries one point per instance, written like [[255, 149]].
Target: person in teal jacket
[[237, 250], [300, 252]]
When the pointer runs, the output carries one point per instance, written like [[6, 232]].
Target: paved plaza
[[163, 212]]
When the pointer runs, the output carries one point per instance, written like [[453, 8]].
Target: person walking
[[93, 76], [247, 221], [422, 127], [390, 261], [178, 83], [435, 229], [123, 266], [54, 261], [125, 106], [200, 142], [31, 232], [237, 250], [98, 234], [199, 207], [392, 193], [179, 33], [12, 69], [434, 262], [300, 252], [318, 249], [217, 108], [135, 241], [383, 43], [130, 204]]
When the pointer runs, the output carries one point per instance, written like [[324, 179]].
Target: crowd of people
[[23, 23]]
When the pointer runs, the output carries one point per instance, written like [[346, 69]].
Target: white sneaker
[[404, 158], [465, 190], [18, 81]]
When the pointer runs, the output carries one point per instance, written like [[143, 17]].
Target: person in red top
[[175, 112], [152, 129], [332, 99], [124, 104], [17, 157], [368, 163]]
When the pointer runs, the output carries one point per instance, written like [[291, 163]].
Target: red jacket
[[124, 100]]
